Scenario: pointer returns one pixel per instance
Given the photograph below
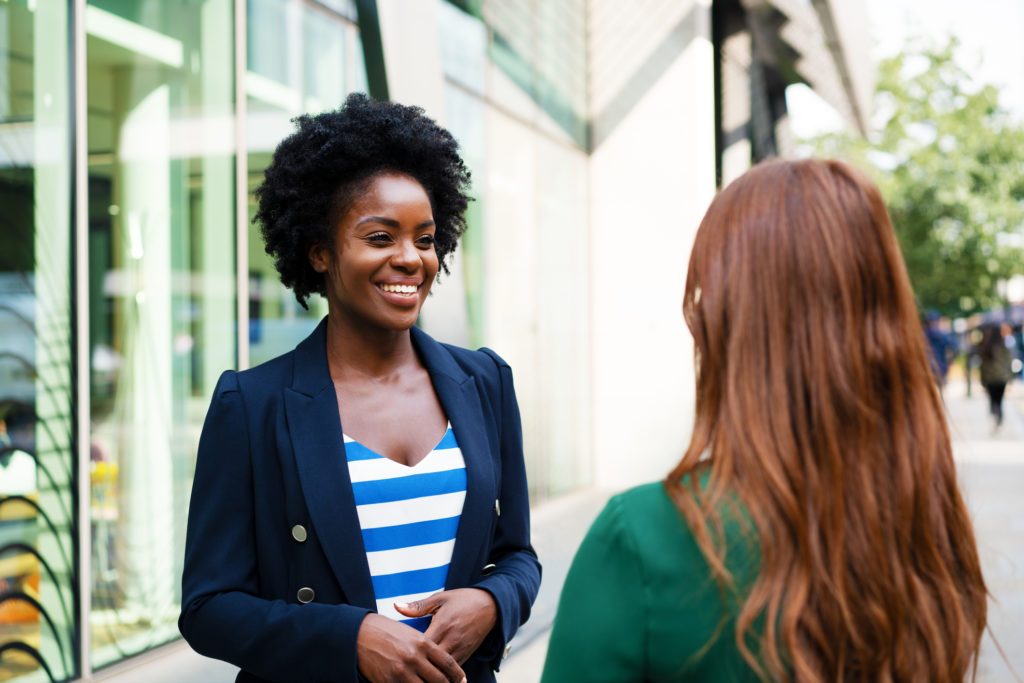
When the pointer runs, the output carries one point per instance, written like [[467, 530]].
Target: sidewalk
[[991, 469]]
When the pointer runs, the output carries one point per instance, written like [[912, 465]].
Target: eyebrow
[[391, 222]]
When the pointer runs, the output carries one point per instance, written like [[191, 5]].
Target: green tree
[[950, 162]]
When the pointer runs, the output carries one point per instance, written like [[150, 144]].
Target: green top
[[640, 602]]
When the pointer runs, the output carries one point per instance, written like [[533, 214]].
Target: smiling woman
[[363, 496], [381, 259]]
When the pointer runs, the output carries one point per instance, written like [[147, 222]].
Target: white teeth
[[399, 289]]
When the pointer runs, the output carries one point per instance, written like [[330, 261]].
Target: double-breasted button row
[[304, 594]]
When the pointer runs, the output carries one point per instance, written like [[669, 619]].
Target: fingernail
[[402, 605]]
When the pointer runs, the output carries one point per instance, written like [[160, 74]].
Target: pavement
[[990, 463], [991, 469]]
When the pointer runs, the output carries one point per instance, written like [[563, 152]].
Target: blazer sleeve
[[222, 615], [515, 580], [602, 619]]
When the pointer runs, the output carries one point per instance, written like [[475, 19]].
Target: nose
[[406, 256]]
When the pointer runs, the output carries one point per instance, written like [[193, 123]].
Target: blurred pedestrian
[[996, 369], [941, 345], [813, 530]]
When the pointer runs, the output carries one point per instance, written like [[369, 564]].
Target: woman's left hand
[[462, 618]]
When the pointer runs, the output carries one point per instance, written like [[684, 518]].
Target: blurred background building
[[132, 133]]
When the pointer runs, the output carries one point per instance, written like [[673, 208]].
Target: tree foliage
[[950, 162]]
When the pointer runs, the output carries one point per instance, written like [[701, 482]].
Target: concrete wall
[[652, 175]]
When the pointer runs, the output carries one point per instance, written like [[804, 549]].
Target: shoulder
[[456, 360], [639, 521], [270, 375], [482, 361], [659, 532], [648, 502], [263, 379], [646, 515]]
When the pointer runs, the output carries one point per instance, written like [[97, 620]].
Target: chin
[[403, 323]]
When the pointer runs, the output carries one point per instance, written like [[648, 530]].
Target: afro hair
[[318, 170]]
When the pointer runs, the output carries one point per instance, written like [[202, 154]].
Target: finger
[[455, 647], [437, 631], [448, 640], [411, 609], [447, 665], [419, 608]]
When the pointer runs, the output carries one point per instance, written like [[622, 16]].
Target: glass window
[[463, 47], [323, 62], [346, 8], [37, 464], [161, 294], [314, 60]]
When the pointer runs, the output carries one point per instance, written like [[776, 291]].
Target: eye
[[426, 241], [379, 238]]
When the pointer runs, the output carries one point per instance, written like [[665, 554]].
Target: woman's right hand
[[387, 650]]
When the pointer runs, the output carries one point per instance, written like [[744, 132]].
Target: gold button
[[505, 654], [305, 595], [497, 507], [299, 533]]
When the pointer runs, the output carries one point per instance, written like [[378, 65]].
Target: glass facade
[[38, 543], [102, 402], [163, 132], [161, 239], [301, 58]]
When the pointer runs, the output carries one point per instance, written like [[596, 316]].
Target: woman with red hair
[[813, 530]]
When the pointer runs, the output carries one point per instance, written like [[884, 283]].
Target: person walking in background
[[813, 530], [359, 509], [942, 348], [996, 369]]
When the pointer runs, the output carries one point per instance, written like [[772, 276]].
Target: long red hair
[[816, 409]]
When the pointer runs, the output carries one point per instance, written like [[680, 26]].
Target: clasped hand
[[388, 650]]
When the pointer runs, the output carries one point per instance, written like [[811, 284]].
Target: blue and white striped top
[[409, 517]]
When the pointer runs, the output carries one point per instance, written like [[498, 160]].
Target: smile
[[406, 290]]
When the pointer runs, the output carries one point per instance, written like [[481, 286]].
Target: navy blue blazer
[[271, 456]]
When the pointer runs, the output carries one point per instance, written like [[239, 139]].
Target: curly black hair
[[318, 170]]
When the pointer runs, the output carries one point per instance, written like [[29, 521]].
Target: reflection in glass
[[161, 294], [301, 59], [37, 510]]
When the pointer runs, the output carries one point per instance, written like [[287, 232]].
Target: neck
[[362, 352]]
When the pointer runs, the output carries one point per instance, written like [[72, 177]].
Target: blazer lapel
[[460, 397], [311, 407]]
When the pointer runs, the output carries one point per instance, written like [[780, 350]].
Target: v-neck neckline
[[448, 428]]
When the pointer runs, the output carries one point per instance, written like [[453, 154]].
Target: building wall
[[652, 175]]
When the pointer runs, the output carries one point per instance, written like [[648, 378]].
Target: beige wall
[[651, 178]]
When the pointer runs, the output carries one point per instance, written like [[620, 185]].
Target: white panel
[[652, 178]]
